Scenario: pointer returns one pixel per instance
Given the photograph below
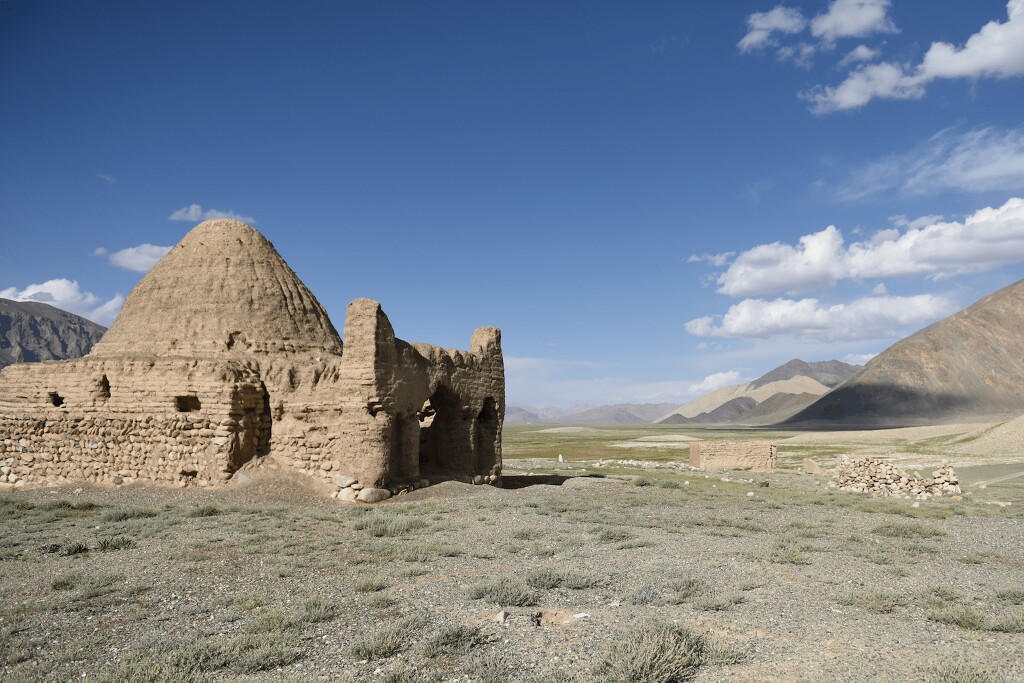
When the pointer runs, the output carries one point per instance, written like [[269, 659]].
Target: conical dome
[[222, 291]]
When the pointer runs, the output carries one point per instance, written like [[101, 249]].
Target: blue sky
[[639, 194]]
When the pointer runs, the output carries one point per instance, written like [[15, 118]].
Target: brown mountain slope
[[32, 331], [969, 365]]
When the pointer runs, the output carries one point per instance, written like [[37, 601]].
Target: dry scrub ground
[[576, 575]]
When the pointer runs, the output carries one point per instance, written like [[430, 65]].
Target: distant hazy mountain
[[31, 331], [619, 414], [732, 409], [708, 403], [969, 365], [828, 372]]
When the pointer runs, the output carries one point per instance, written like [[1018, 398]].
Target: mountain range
[[966, 366], [31, 331]]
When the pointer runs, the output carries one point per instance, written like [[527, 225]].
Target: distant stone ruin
[[221, 355], [880, 478], [733, 455]]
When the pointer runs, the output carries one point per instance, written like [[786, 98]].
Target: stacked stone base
[[880, 478], [175, 448]]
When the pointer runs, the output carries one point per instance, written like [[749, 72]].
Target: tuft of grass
[[544, 579], [386, 642], [644, 595], [713, 602], [406, 674], [370, 584], [964, 672], [654, 653], [968, 618], [64, 583], [875, 601], [684, 589], [69, 548], [115, 543], [385, 525], [908, 530], [209, 510], [1011, 622], [504, 592], [129, 513], [316, 611], [576, 581], [488, 669], [380, 601], [273, 621], [614, 535], [452, 640], [936, 597], [1014, 596], [642, 481], [786, 552]]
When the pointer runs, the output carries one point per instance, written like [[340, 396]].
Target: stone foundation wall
[[733, 455], [880, 478], [128, 427]]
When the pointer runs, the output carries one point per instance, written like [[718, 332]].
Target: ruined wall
[[172, 420], [733, 455]]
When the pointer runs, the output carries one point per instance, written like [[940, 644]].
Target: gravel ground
[[551, 579]]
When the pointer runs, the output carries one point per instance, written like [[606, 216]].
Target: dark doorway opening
[[187, 404]]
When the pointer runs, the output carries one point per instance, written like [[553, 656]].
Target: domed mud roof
[[222, 291]]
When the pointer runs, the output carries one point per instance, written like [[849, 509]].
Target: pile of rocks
[[645, 465], [880, 478]]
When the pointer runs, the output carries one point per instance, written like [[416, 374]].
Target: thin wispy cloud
[[195, 212], [109, 179], [987, 239], [717, 260], [981, 160], [67, 295]]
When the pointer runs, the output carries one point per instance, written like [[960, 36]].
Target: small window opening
[[104, 387], [56, 399], [186, 404]]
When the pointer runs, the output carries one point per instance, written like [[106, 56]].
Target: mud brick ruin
[[733, 455], [221, 355]]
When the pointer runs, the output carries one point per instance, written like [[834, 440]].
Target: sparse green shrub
[[208, 510], [504, 592], [968, 618], [115, 543], [1014, 596], [382, 524], [717, 602], [129, 513], [69, 548], [964, 672], [614, 535], [654, 653], [644, 595], [1010, 622], [315, 611], [63, 583], [908, 530], [544, 579], [370, 584], [387, 641], [786, 552], [642, 481], [452, 640], [875, 601], [488, 669], [576, 581]]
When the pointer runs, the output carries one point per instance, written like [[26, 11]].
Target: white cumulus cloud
[[876, 317], [995, 51], [195, 212], [138, 259], [715, 381], [67, 295], [861, 53], [762, 27], [988, 238], [852, 18]]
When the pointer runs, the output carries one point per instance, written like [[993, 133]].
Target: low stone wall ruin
[[880, 478], [733, 455]]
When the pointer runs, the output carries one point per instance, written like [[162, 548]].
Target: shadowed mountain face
[[618, 414], [969, 365], [31, 332], [828, 372]]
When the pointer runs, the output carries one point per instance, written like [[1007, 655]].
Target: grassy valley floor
[[573, 572]]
